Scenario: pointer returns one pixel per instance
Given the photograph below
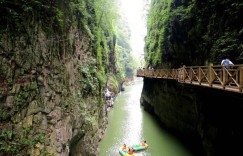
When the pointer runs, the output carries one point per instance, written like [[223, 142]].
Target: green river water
[[130, 124]]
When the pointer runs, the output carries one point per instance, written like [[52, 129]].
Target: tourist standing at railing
[[150, 70], [226, 63], [140, 71], [150, 67]]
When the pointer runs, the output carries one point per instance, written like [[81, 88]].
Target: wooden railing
[[230, 79]]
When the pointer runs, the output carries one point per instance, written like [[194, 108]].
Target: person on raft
[[124, 147], [130, 151], [143, 143]]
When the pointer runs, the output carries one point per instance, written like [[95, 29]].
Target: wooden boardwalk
[[219, 77]]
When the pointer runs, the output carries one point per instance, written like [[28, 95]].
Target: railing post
[[241, 79], [183, 73], [148, 73], [190, 74], [145, 73], [210, 74], [221, 76], [139, 73], [225, 76], [178, 74], [161, 73], [200, 75]]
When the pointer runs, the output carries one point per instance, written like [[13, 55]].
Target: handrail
[[220, 77]]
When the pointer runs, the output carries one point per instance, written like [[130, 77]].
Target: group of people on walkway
[[225, 62], [149, 67]]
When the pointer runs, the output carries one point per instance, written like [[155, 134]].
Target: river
[[130, 124]]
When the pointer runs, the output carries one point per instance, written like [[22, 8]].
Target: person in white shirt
[[226, 63]]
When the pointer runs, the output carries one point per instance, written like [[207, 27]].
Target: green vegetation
[[114, 84], [44, 37], [194, 32], [125, 60], [155, 40], [21, 98], [89, 81], [13, 142], [15, 13], [113, 57], [98, 19]]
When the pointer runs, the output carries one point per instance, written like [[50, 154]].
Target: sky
[[133, 10]]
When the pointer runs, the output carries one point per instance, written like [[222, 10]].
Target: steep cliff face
[[44, 101], [193, 32], [51, 86], [174, 105], [208, 120]]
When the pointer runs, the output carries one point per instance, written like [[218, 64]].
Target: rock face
[[43, 103], [46, 105], [208, 120]]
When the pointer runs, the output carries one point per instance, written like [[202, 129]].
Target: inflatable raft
[[139, 147], [124, 152]]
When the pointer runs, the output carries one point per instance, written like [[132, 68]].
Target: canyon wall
[[207, 120]]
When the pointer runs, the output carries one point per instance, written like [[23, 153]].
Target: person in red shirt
[[130, 151]]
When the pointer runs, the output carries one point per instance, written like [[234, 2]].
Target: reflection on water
[[129, 124], [133, 119]]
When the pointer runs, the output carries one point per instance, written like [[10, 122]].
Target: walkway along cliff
[[208, 119]]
